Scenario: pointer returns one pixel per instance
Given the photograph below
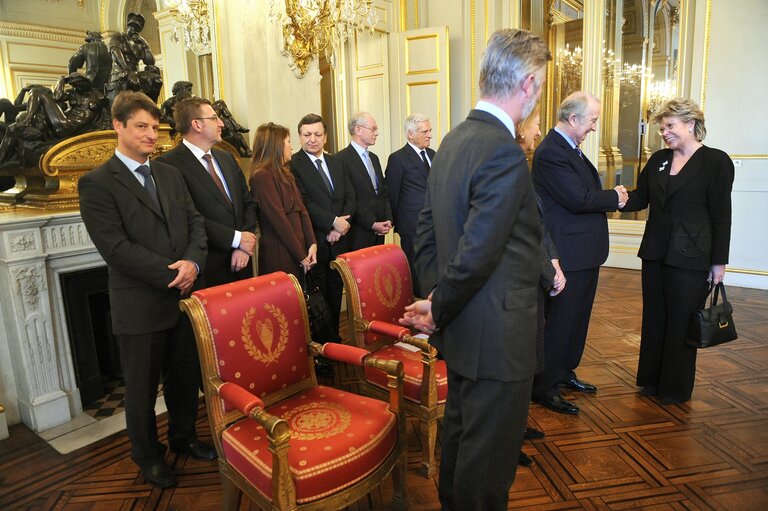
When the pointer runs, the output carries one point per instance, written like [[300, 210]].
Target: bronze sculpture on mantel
[[128, 49]]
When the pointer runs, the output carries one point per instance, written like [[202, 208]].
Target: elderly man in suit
[[218, 189], [143, 222], [406, 178], [329, 196], [480, 259], [373, 218], [574, 205]]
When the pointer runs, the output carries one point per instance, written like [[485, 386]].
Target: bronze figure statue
[[128, 49], [95, 55], [181, 89], [232, 131]]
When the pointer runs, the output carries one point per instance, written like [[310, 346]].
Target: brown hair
[[269, 150], [185, 111], [128, 103], [311, 119], [685, 110]]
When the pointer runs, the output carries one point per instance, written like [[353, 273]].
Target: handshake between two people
[[623, 195]]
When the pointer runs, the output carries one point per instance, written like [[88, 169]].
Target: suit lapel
[[578, 161], [360, 166], [197, 169], [129, 181], [688, 173], [416, 160], [311, 170]]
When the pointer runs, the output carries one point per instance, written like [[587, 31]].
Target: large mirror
[[639, 58]]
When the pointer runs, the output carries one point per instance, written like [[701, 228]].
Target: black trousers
[[670, 295], [331, 286], [483, 430], [406, 243], [171, 354], [565, 331]]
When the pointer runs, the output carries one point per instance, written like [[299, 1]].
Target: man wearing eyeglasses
[[373, 218], [218, 189]]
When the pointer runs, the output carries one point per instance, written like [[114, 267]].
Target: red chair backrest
[[383, 281], [259, 330]]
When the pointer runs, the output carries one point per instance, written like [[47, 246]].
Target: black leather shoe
[[533, 434], [560, 405], [159, 474], [196, 450], [580, 386], [524, 460]]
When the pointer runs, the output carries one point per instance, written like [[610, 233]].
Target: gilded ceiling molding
[[706, 56], [45, 33]]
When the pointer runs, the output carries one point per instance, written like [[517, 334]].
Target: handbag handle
[[720, 287]]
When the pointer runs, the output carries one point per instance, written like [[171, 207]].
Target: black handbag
[[320, 319], [713, 325]]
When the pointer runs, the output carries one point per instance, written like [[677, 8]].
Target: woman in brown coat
[[287, 242]]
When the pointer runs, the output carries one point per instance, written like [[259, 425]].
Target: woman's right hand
[[308, 262]]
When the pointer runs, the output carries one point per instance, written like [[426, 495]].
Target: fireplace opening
[[95, 351]]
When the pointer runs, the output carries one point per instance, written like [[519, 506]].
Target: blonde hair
[[529, 118], [686, 110]]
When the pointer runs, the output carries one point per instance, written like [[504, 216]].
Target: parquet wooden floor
[[624, 451]]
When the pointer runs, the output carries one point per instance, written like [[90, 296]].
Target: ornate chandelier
[[193, 25], [310, 27]]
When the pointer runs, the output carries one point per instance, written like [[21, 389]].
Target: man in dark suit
[[480, 259], [145, 226], [328, 194], [373, 218], [406, 178], [218, 189], [574, 205]]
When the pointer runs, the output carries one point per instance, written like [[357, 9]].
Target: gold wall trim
[[707, 21], [403, 15], [749, 156], [415, 13], [103, 15], [38, 32], [473, 68], [220, 63], [747, 271]]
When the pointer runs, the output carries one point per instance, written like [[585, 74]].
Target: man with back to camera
[[373, 218], [406, 178], [143, 222], [574, 205], [218, 189], [480, 259], [329, 197]]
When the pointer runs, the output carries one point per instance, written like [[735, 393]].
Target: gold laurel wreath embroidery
[[392, 292], [245, 333], [306, 420]]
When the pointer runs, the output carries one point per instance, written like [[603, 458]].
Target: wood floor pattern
[[624, 451]]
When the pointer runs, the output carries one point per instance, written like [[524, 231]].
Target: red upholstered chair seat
[[337, 438], [414, 369]]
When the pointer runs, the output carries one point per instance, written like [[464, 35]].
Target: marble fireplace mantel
[[37, 377]]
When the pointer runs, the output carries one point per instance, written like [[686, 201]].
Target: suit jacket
[[371, 207], [574, 203], [406, 180], [138, 241], [481, 255], [286, 230], [689, 222], [222, 218], [323, 206]]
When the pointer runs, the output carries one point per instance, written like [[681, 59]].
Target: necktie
[[581, 155], [149, 184], [371, 172], [327, 181], [215, 176], [424, 159]]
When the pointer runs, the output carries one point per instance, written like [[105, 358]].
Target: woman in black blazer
[[684, 248]]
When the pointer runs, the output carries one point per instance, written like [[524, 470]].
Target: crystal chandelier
[[310, 27], [192, 25], [659, 92]]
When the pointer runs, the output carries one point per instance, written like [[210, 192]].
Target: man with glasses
[[373, 218], [407, 172], [574, 205], [218, 189]]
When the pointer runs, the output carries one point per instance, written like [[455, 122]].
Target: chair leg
[[400, 494], [230, 494], [428, 437]]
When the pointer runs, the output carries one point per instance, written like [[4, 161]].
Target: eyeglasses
[[373, 130], [213, 118]]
